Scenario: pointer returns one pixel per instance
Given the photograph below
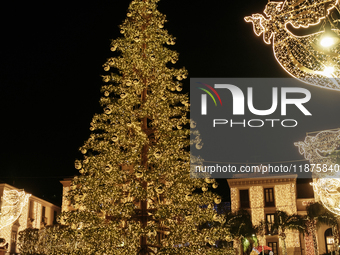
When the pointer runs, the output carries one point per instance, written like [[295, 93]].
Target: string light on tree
[[140, 197]]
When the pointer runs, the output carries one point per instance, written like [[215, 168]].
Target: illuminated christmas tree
[[134, 194]]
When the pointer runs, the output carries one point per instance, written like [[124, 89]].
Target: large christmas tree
[[134, 194]]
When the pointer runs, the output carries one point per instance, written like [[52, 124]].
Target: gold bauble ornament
[[83, 150], [106, 68], [189, 217], [160, 189], [204, 189], [108, 168], [106, 93], [179, 127], [108, 110], [114, 138], [139, 174], [122, 31], [152, 233], [189, 197], [215, 185], [216, 217], [198, 146], [178, 88], [192, 124], [129, 14], [77, 164], [217, 200], [157, 154], [113, 48], [228, 238]]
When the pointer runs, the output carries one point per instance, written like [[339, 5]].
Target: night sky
[[51, 61]]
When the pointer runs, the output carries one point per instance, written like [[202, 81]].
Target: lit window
[[329, 240], [273, 245], [269, 197], [270, 221]]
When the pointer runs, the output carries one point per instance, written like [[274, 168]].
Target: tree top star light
[[314, 58]]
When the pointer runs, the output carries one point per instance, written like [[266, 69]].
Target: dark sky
[[51, 61]]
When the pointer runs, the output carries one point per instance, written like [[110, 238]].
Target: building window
[[43, 211], [273, 245], [329, 240], [269, 225], [269, 197], [244, 198], [31, 210]]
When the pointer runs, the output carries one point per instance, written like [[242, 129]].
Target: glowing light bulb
[[328, 71], [327, 41]]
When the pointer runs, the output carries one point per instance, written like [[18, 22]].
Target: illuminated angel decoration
[[13, 202], [326, 179], [313, 59]]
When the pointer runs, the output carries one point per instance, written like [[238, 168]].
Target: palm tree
[[318, 215], [242, 230], [284, 221]]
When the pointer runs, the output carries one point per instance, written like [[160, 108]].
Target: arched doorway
[[329, 240]]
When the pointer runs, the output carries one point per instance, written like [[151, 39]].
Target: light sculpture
[[326, 172], [313, 59]]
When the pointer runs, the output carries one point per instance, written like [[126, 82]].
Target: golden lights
[[312, 58], [326, 182], [13, 202]]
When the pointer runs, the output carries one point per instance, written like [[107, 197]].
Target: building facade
[[19, 211], [261, 197]]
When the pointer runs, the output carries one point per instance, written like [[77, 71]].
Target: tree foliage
[[134, 194]]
